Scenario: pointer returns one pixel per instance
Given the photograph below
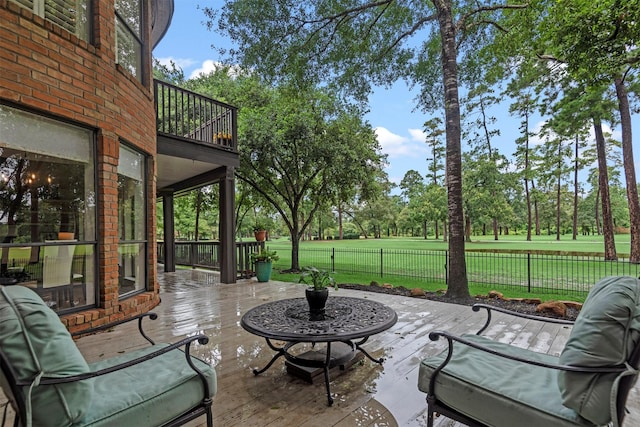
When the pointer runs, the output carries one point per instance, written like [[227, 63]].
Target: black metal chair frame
[[204, 408], [435, 406]]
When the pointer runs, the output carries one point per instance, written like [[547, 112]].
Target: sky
[[399, 128]]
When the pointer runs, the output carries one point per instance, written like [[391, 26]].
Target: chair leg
[[429, 414]]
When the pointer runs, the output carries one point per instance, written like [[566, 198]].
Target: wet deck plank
[[365, 395]]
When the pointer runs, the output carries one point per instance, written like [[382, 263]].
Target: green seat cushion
[[35, 342], [605, 333], [148, 394], [498, 391]]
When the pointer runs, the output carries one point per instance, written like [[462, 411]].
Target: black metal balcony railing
[[187, 115]]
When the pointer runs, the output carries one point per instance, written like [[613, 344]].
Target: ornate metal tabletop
[[345, 318]]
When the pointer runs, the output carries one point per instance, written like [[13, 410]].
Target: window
[[129, 36], [132, 230], [47, 208], [72, 15]]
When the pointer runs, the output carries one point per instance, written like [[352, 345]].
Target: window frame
[[91, 281], [140, 74], [38, 8], [145, 232]]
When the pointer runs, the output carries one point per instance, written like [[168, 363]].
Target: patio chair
[[481, 382], [48, 382]]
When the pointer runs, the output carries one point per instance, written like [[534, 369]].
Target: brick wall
[[47, 70]]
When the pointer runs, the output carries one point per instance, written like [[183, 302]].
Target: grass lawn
[[511, 242], [311, 251]]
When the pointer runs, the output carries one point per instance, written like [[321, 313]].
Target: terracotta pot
[[65, 235], [260, 235]]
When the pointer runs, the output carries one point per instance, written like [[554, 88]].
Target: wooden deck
[[365, 395]]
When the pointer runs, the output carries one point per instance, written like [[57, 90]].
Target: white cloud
[[205, 68], [392, 144], [181, 63], [210, 65], [417, 135]]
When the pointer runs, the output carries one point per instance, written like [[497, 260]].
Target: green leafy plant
[[317, 279], [259, 226], [264, 256]]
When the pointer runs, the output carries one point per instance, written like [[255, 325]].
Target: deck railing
[[183, 114], [207, 254]]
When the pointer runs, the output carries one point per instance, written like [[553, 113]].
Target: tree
[[523, 106], [412, 184], [598, 43], [300, 150], [352, 44]]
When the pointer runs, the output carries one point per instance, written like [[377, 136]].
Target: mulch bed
[[520, 307]]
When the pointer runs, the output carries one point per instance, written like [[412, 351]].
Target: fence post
[[333, 259], [446, 267], [529, 272], [381, 264], [193, 255]]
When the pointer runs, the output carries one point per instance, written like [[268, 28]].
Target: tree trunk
[[295, 248], [467, 228], [575, 191], [597, 210], [340, 232], [603, 190], [629, 169], [495, 229], [437, 230], [458, 286], [526, 176], [444, 231], [558, 198], [536, 211], [196, 234]]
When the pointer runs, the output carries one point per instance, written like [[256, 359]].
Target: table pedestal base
[[310, 374]]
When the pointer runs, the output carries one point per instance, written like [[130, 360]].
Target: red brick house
[[88, 140]]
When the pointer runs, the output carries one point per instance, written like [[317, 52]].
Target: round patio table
[[346, 320]]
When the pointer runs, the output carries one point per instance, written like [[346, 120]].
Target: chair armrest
[[489, 308], [139, 317], [435, 336], [186, 343]]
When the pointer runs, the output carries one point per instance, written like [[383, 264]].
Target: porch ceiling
[[183, 164], [174, 171]]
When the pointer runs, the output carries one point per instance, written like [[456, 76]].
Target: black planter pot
[[317, 301]]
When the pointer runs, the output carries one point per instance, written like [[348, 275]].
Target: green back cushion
[[34, 340], [605, 333]]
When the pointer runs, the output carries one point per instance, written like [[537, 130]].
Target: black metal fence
[[530, 271]]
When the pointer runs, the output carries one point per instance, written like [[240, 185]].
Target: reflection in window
[[129, 36], [72, 15], [47, 208], [131, 221]]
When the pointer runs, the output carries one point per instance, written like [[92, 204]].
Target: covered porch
[[366, 394]]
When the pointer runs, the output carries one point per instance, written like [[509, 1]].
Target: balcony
[[197, 136]]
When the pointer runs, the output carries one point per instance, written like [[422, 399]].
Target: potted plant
[[318, 282], [260, 231], [264, 263]]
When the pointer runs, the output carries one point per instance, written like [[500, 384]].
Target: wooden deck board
[[365, 395]]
